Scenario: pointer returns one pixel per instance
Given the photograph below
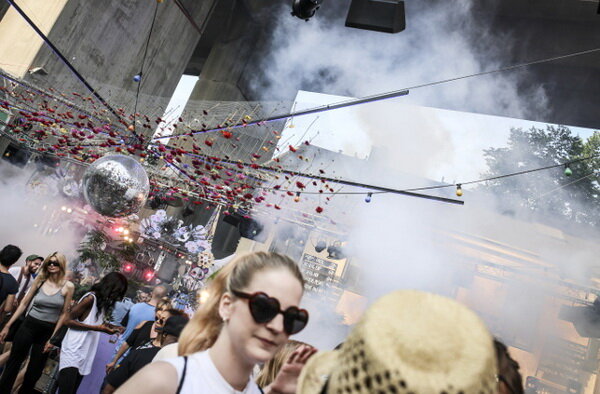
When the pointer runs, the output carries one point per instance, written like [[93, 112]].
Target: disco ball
[[116, 186]]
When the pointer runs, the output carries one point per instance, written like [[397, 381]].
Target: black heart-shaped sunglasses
[[264, 309]]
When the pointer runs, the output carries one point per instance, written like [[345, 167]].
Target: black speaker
[[16, 155], [585, 319], [168, 268], [387, 16], [251, 229], [233, 219]]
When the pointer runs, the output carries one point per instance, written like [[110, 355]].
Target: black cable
[[141, 73], [450, 184], [382, 96], [505, 175], [189, 17]]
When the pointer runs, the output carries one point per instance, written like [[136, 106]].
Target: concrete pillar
[[105, 41]]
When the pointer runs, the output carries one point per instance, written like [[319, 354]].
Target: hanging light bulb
[[368, 198], [568, 171], [459, 191], [297, 198]]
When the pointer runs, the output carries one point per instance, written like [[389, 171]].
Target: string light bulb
[[459, 191], [368, 198], [568, 171], [297, 198]]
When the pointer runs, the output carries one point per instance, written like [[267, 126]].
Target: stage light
[[251, 229], [305, 9], [187, 211], [320, 246], [335, 251], [149, 275]]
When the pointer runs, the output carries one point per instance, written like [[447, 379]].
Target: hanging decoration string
[[140, 77], [64, 60], [444, 186], [382, 96]]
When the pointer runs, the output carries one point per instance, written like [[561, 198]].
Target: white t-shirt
[[166, 352], [15, 272], [203, 377]]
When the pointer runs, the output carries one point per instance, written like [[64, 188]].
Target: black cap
[[174, 325], [32, 257]]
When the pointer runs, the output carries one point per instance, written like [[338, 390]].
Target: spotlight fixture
[[149, 274], [305, 9], [38, 71], [250, 228], [128, 267], [335, 251], [320, 246], [187, 211], [155, 202]]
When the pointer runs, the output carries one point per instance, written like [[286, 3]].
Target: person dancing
[[85, 323], [48, 299]]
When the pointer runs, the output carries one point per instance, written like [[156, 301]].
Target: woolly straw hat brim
[[316, 371], [408, 342]]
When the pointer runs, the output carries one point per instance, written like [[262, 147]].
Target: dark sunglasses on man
[[264, 309]]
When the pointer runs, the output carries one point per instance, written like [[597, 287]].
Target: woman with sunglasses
[[47, 303], [251, 311]]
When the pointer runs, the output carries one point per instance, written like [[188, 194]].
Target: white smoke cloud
[[442, 40], [401, 242], [32, 218]]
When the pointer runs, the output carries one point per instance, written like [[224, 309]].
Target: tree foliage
[[93, 248], [549, 194]]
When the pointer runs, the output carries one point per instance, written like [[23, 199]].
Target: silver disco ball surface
[[116, 186]]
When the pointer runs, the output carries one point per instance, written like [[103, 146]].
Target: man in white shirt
[[25, 275]]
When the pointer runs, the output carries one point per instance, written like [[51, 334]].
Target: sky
[[465, 135], [454, 139]]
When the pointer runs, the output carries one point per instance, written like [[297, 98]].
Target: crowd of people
[[238, 340]]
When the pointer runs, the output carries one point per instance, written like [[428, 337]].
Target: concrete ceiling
[[539, 28], [549, 28]]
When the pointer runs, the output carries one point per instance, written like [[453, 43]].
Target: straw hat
[[408, 342]]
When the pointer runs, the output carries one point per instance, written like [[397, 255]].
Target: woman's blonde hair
[[204, 327], [271, 368], [43, 271]]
